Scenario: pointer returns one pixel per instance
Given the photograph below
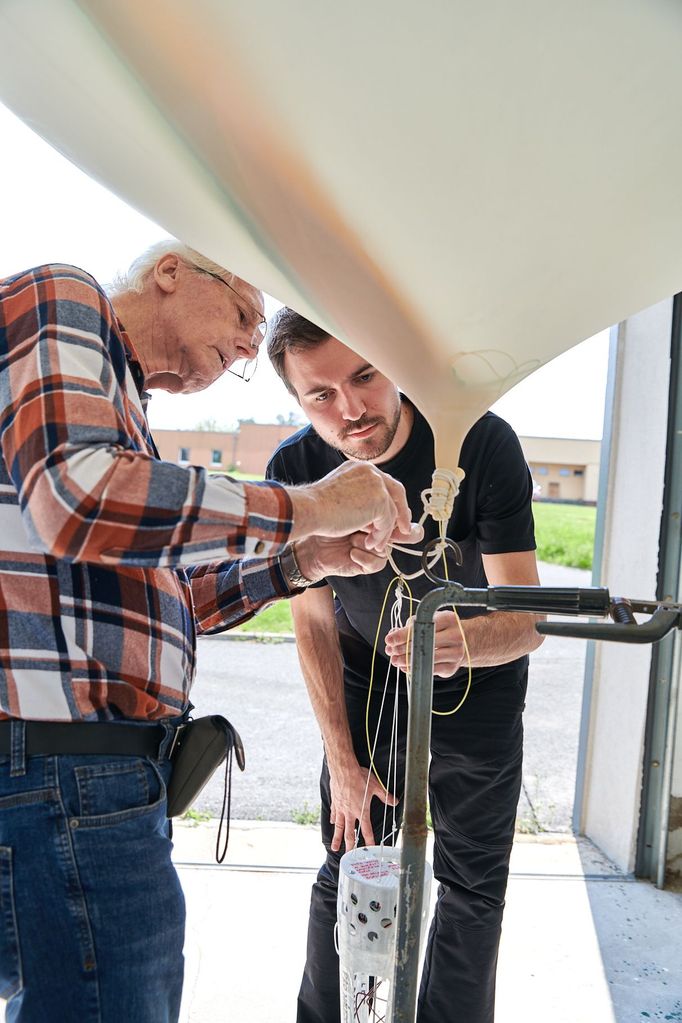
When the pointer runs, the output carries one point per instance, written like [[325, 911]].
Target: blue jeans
[[92, 914]]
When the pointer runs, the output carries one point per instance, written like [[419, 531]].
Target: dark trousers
[[474, 785]]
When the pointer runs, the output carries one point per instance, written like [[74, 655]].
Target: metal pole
[[411, 889], [668, 764]]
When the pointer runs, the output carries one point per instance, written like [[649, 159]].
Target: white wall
[[613, 773], [591, 482]]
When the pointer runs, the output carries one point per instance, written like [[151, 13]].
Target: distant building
[[256, 443], [211, 449], [246, 449], [562, 469]]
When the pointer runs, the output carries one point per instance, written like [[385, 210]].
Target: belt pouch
[[201, 747]]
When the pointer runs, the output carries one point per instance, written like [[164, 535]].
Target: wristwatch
[[290, 568]]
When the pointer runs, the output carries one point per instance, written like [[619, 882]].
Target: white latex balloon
[[458, 191]]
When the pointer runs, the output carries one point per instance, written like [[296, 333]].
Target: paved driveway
[[259, 687]]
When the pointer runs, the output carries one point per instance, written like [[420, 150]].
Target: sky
[[52, 212]]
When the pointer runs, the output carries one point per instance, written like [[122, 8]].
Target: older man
[[110, 562], [357, 414]]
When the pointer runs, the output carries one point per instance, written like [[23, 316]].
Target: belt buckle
[[176, 739]]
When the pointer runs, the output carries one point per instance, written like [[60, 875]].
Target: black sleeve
[[276, 470], [504, 521], [273, 469]]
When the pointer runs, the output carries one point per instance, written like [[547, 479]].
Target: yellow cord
[[441, 713], [447, 713], [395, 579]]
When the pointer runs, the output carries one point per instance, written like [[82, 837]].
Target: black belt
[[51, 738]]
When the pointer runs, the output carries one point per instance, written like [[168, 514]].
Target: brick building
[[563, 469], [246, 449]]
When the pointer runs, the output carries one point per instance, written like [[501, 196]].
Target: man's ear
[[166, 272]]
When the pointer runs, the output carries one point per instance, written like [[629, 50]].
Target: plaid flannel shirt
[[110, 559]]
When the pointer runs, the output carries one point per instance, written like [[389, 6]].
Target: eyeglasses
[[242, 368]]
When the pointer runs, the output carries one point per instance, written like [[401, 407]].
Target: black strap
[[70, 738], [227, 800]]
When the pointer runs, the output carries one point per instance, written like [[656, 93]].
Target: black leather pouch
[[201, 746]]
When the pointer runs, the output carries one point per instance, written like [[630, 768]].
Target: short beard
[[375, 445]]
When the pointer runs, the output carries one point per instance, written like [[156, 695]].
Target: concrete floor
[[582, 943]]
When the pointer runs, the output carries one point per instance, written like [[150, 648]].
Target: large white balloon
[[459, 191]]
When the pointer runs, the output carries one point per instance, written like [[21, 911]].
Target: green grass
[[195, 817], [306, 816], [565, 533], [276, 618], [236, 474]]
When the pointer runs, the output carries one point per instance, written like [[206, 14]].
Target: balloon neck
[[444, 489]]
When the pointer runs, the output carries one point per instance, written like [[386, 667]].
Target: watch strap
[[291, 569]]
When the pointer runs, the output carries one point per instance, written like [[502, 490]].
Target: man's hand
[[449, 650], [320, 556], [348, 793], [355, 496]]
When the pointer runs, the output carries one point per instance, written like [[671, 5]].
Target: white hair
[[135, 277]]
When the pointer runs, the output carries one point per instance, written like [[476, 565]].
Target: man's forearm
[[352, 787], [323, 675], [500, 637], [496, 638], [322, 667]]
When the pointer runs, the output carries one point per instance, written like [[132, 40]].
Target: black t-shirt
[[492, 515]]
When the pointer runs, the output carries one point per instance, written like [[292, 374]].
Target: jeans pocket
[[10, 959], [116, 791]]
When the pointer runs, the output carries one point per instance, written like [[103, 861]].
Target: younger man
[[356, 413]]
